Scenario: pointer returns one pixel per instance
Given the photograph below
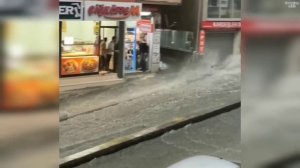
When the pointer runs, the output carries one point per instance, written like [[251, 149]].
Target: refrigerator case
[[79, 59], [130, 50], [79, 65]]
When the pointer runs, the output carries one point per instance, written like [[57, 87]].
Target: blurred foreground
[[29, 93], [270, 78]]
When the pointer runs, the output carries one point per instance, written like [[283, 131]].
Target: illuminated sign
[[145, 26], [105, 11], [201, 48], [70, 10], [220, 25]]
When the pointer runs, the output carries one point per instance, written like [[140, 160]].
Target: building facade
[[84, 24], [220, 27]]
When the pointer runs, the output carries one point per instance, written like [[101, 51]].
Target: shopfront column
[[121, 37]]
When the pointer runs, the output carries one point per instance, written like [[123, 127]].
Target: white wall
[[109, 23], [80, 30], [131, 24]]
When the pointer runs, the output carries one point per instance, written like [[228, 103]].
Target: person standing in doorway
[[111, 50], [103, 52], [144, 50]]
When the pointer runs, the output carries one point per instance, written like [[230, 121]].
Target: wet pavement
[[144, 102], [218, 136]]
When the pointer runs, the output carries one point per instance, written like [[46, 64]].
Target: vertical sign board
[[156, 47], [202, 42], [112, 11], [70, 10]]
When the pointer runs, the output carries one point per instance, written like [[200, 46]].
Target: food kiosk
[[80, 32]]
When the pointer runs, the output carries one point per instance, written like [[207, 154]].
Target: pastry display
[[70, 66], [80, 58], [89, 65]]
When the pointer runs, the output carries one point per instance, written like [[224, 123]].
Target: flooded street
[[218, 136]]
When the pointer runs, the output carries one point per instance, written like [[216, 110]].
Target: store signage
[[202, 38], [70, 10], [220, 25], [97, 28], [105, 11], [145, 26]]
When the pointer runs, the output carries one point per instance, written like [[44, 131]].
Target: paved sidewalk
[[87, 100], [141, 103]]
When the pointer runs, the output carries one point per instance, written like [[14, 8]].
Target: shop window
[[79, 48], [109, 23], [177, 40], [224, 9]]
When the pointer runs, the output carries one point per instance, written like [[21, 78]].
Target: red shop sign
[[201, 48], [145, 26], [215, 25], [97, 10]]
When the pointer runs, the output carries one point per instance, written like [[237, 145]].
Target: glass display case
[[79, 59], [130, 50], [80, 45]]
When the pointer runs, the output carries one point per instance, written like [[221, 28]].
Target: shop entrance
[[108, 31], [218, 46], [109, 61]]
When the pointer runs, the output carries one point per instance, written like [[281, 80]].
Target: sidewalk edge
[[135, 138]]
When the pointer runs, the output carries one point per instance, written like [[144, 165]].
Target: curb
[[84, 85], [132, 139]]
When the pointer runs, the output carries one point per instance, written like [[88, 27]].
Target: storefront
[[219, 34], [219, 39], [84, 26]]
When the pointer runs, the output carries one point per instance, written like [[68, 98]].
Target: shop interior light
[[69, 40], [146, 13]]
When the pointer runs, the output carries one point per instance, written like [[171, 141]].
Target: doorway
[[109, 32]]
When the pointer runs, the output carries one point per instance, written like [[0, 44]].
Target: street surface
[[218, 136], [147, 101]]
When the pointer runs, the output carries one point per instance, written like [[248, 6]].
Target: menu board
[[156, 47], [79, 65]]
